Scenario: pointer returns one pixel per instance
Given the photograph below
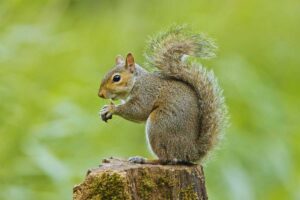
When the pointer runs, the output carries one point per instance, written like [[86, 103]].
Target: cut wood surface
[[119, 179]]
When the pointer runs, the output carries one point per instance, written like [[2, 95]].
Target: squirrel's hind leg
[[137, 160], [141, 160]]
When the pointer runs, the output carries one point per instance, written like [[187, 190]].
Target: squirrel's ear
[[130, 65], [119, 60]]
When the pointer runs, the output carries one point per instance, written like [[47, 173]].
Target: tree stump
[[118, 179]]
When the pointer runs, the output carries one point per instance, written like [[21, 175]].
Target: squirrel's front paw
[[106, 112]]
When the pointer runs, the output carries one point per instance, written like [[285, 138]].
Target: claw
[[103, 117], [108, 116], [105, 113]]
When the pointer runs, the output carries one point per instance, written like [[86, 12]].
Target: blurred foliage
[[54, 53]]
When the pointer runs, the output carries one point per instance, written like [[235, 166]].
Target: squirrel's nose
[[101, 94]]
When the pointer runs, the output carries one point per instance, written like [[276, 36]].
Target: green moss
[[165, 184], [146, 185], [155, 184], [166, 181], [108, 186], [188, 193]]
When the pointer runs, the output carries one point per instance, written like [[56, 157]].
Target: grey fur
[[182, 104]]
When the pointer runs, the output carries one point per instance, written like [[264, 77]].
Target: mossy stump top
[[118, 179]]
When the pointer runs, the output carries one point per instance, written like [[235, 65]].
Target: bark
[[119, 179]]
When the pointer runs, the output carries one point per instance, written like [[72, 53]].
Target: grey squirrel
[[181, 102]]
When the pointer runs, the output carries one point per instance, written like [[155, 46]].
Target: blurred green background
[[53, 55]]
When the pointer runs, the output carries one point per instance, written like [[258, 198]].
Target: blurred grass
[[53, 55]]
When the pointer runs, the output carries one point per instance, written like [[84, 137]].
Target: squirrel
[[181, 102]]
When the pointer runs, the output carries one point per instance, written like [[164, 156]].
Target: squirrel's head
[[118, 82]]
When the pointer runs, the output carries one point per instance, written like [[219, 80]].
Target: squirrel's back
[[167, 92]]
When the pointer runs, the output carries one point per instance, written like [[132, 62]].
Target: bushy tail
[[166, 52]]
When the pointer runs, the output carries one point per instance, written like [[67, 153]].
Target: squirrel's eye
[[116, 78]]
